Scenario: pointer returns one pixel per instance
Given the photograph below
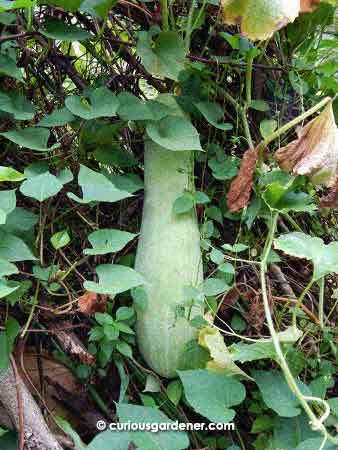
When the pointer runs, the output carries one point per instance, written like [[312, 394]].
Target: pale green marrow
[[169, 258]]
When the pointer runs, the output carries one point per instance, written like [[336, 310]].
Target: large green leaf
[[7, 268], [7, 204], [251, 352], [324, 257], [33, 138], [97, 8], [41, 186], [15, 103], [13, 248], [277, 394], [57, 118], [101, 103], [57, 29], [107, 241], [165, 57], [214, 114], [279, 198], [174, 133], [97, 188], [212, 394], [9, 4], [114, 279], [8, 67], [6, 289], [20, 221], [68, 5], [144, 440]]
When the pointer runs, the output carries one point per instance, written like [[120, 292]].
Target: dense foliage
[[84, 84]]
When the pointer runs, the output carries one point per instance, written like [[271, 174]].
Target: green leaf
[[68, 5], [215, 286], [267, 127], [58, 29], [214, 114], [324, 257], [101, 103], [13, 248], [107, 241], [7, 204], [7, 268], [7, 338], [165, 57], [9, 4], [97, 8], [132, 108], [124, 313], [115, 156], [114, 279], [124, 348], [236, 248], [252, 352], [20, 221], [57, 118], [234, 41], [174, 133], [6, 289], [10, 174], [184, 203], [262, 423], [9, 68], [32, 138], [60, 239], [277, 394], [279, 198], [15, 103], [97, 188], [212, 394], [41, 186], [174, 391], [68, 429], [259, 105]]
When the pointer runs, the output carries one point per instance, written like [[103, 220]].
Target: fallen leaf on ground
[[240, 190], [259, 19], [91, 303], [315, 151]]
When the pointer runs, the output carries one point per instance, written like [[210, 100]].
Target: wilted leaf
[[240, 190], [315, 152], [308, 5], [259, 19], [222, 359], [90, 303], [331, 199]]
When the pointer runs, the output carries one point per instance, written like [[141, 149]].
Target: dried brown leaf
[[240, 190], [315, 151], [331, 199], [308, 5], [90, 303]]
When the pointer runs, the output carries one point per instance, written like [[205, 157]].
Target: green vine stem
[[316, 424], [321, 283], [299, 302], [293, 123], [165, 15]]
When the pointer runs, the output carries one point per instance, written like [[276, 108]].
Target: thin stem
[[189, 28], [321, 283], [299, 302], [293, 123], [31, 313], [165, 15], [314, 421], [248, 80]]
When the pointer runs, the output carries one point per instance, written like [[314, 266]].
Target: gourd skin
[[169, 258]]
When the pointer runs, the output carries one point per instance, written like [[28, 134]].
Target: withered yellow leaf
[[222, 360], [259, 19], [315, 151]]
